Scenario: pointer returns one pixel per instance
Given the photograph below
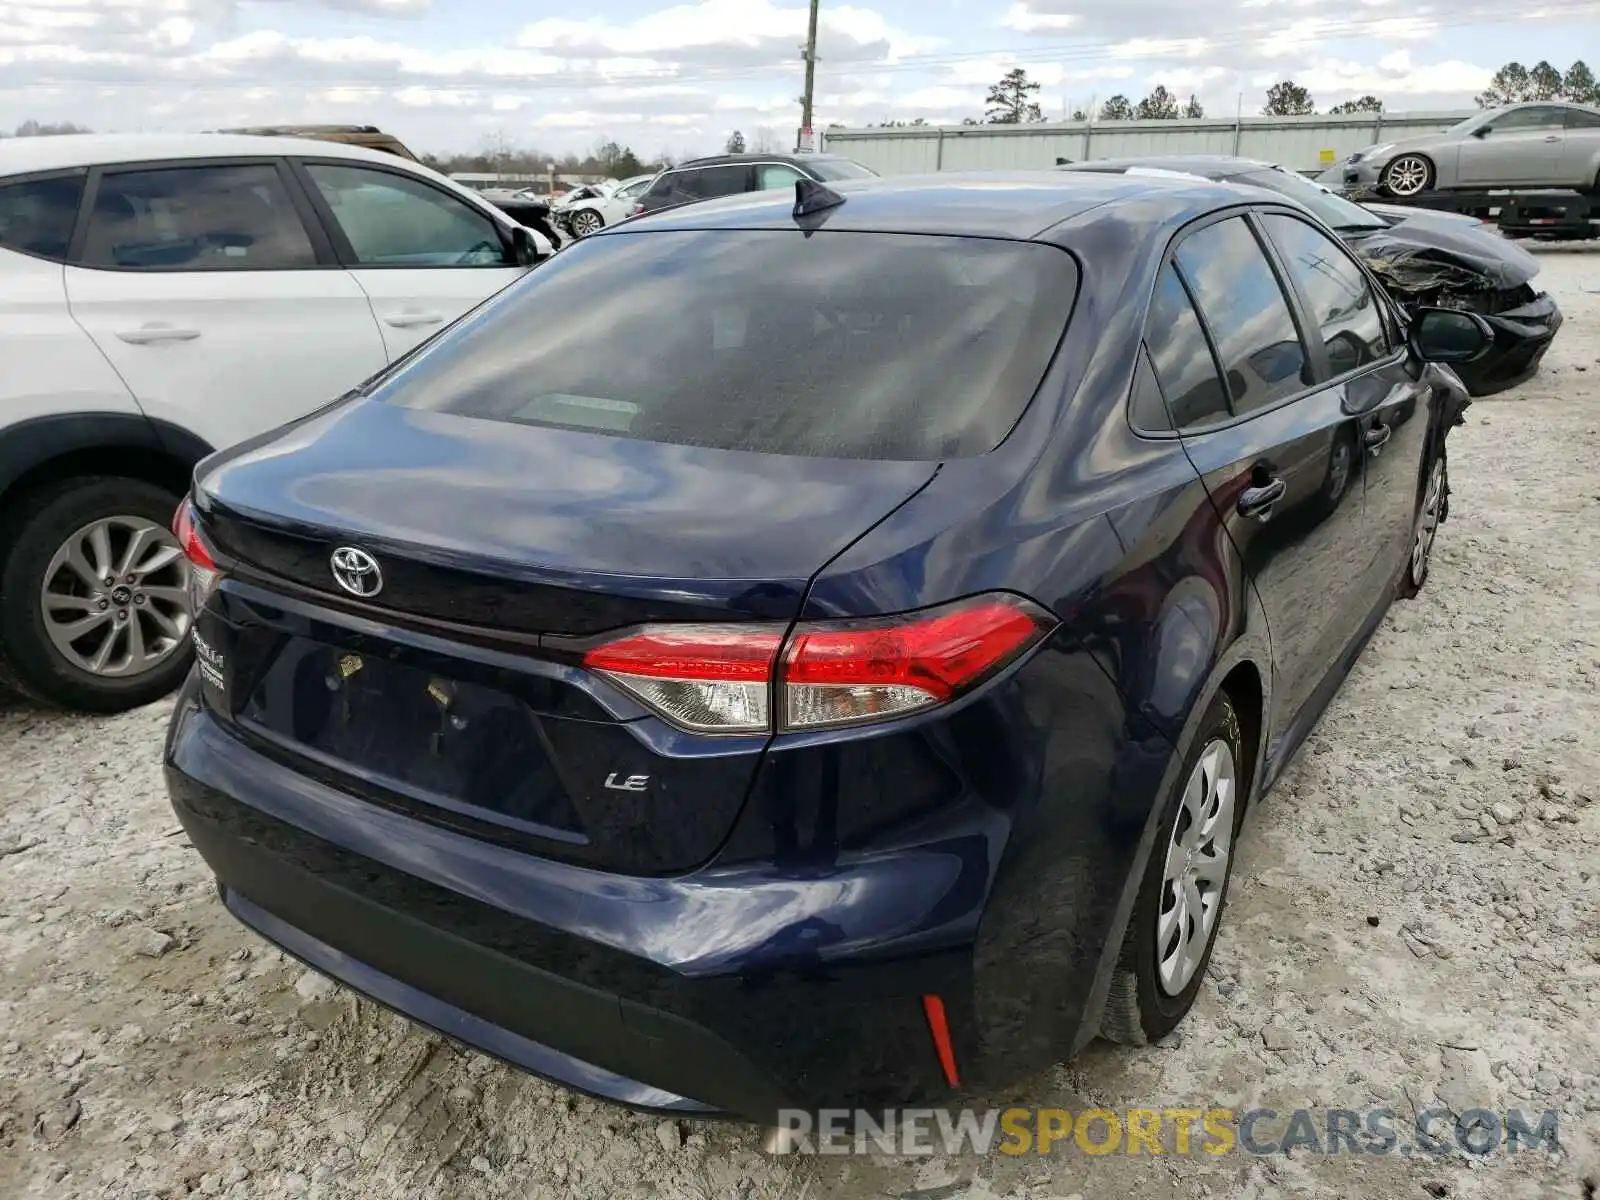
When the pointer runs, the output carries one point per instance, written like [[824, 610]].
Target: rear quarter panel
[[1051, 776], [48, 364]]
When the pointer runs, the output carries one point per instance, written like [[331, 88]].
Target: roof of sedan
[[1211, 166], [65, 151], [716, 160], [1019, 204]]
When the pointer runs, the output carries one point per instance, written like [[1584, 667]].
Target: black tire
[[33, 529], [586, 221], [1397, 176], [1413, 579], [1138, 1011]]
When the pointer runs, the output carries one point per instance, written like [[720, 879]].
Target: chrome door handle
[[1554, 137], [1257, 502], [146, 334]]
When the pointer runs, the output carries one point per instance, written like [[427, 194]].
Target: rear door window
[[1184, 366], [706, 183], [37, 215], [775, 175], [1249, 318], [213, 218], [844, 344]]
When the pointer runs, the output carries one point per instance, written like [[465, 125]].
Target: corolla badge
[[356, 571]]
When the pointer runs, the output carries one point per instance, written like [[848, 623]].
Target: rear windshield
[[845, 345]]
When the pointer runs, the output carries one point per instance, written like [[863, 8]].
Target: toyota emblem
[[356, 572]]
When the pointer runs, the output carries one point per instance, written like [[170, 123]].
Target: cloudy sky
[[458, 74]]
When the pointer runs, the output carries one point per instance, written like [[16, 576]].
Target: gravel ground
[[1413, 921]]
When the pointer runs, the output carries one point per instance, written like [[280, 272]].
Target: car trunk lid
[[451, 690]]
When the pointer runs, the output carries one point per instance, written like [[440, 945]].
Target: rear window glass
[[845, 345], [37, 216], [833, 170]]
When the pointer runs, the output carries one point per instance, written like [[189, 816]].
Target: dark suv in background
[[731, 174]]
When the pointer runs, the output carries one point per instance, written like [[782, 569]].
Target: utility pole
[[807, 136]]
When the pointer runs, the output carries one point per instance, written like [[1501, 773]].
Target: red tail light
[[187, 532], [725, 678], [204, 574], [638, 208]]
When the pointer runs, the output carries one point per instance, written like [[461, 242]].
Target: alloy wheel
[[1427, 523], [114, 597], [586, 222], [1196, 870], [1407, 175], [1339, 471]]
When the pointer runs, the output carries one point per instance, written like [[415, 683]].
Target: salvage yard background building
[[1308, 144]]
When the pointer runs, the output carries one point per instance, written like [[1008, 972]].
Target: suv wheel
[[93, 595], [1179, 907]]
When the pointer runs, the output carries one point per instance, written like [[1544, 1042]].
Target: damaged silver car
[[1424, 258]]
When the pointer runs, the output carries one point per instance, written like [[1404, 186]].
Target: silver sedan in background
[[1542, 144]]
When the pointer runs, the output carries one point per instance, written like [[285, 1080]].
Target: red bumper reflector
[[939, 1027]]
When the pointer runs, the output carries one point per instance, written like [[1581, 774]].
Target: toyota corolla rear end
[[508, 688]]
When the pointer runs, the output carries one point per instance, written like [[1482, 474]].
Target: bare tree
[[32, 128]]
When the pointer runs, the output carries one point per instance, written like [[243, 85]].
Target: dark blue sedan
[[812, 649]]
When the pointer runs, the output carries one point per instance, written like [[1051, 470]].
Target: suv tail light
[[638, 208], [204, 574], [727, 678]]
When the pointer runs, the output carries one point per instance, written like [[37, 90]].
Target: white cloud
[[734, 32], [1024, 20], [442, 75], [1153, 48]]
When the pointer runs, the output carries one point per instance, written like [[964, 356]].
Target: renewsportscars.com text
[[1162, 1131]]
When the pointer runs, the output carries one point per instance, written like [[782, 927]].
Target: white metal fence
[[1299, 143]]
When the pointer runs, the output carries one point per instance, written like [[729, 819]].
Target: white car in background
[[164, 296], [586, 216]]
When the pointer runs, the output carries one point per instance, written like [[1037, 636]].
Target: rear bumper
[[1521, 337], [701, 994]]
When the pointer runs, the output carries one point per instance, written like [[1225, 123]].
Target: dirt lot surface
[[1413, 925]]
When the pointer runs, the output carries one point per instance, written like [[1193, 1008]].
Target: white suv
[[165, 296]]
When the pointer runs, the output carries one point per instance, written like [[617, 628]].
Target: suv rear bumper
[[698, 994]]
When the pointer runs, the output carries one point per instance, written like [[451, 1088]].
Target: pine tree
[[1159, 105], [1011, 101]]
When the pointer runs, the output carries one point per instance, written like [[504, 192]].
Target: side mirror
[[1482, 131], [1449, 335], [523, 246]]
